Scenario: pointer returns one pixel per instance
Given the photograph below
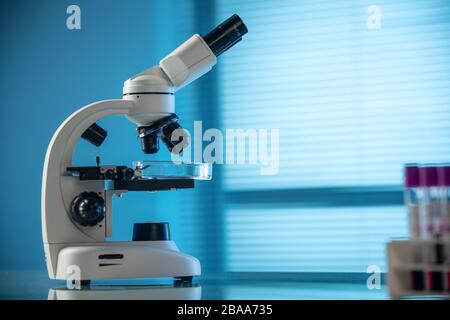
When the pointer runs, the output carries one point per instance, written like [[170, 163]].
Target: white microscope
[[77, 201]]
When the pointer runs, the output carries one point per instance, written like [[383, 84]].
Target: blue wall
[[353, 97], [47, 72]]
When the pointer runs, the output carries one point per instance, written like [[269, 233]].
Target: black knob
[[119, 174], [95, 134], [110, 174], [88, 209], [151, 231], [129, 173]]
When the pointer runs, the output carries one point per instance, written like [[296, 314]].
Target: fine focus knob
[[151, 231], [88, 209]]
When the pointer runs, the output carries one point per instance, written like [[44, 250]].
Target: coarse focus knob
[[88, 209]]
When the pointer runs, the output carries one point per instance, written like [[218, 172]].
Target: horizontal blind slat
[[352, 105]]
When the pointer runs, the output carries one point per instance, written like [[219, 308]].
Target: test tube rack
[[402, 256]]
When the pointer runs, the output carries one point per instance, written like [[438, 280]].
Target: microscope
[[77, 200]]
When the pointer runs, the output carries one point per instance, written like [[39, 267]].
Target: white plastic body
[[66, 243], [152, 95], [141, 259], [150, 107], [188, 62]]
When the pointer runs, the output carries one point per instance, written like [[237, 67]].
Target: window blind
[[346, 239], [352, 105]]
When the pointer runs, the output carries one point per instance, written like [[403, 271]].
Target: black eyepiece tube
[[225, 35]]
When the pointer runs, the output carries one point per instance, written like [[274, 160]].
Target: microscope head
[[152, 91]]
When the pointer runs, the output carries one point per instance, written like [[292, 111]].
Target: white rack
[[403, 257]]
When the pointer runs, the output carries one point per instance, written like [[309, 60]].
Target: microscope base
[[125, 260]]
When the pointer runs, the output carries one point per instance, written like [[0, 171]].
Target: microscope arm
[[60, 151], [57, 228]]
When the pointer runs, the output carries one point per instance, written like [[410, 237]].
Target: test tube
[[411, 192], [444, 184], [431, 214]]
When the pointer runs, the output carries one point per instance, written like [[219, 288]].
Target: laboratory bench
[[35, 285]]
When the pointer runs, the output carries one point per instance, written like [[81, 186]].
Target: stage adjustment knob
[[151, 231], [128, 173], [88, 209], [110, 174]]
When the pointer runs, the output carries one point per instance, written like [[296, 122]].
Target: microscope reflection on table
[[136, 292]]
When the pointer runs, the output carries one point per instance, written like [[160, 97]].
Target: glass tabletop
[[34, 284]]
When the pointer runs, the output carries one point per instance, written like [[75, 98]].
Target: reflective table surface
[[36, 285]]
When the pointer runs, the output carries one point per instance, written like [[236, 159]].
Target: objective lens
[[166, 135], [150, 144], [226, 35], [162, 128]]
